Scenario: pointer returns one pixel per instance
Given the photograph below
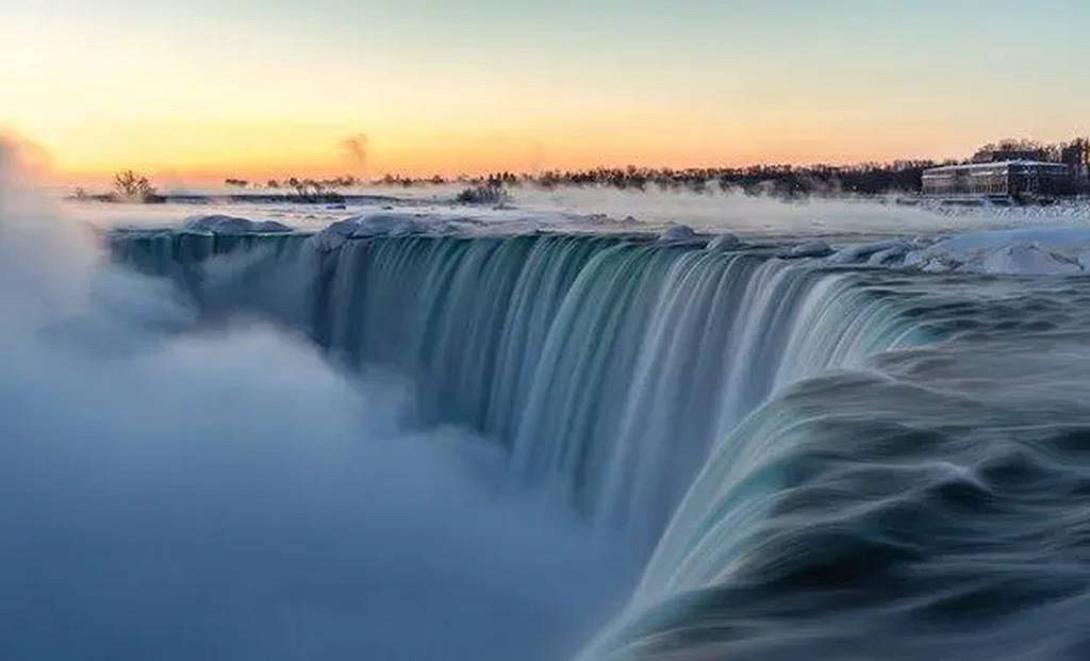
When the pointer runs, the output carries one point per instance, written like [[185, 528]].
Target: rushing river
[[805, 458]]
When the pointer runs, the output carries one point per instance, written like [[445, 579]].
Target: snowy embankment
[[1024, 251], [1030, 251]]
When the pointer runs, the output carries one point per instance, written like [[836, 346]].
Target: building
[[1009, 179]]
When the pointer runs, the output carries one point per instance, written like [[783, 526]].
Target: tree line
[[899, 176]]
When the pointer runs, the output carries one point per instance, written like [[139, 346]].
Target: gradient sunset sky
[[206, 89]]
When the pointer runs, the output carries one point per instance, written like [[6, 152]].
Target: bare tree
[[132, 187]]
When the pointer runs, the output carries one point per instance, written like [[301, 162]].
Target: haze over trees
[[786, 181]]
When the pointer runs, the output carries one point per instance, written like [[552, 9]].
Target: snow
[[1027, 259], [381, 224], [859, 253], [889, 255], [677, 234], [362, 226], [222, 224], [1028, 251], [817, 248]]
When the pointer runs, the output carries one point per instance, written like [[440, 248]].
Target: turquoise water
[[841, 462]]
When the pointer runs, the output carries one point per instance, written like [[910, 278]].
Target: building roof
[[991, 164]]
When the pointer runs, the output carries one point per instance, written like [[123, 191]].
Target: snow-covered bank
[[582, 210], [1028, 251]]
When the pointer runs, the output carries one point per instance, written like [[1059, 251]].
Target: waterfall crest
[[606, 365]]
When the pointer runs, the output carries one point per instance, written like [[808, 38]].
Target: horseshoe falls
[[416, 437], [604, 366]]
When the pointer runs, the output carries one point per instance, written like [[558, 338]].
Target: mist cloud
[[170, 491], [355, 149]]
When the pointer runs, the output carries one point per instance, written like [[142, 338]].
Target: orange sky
[[197, 92]]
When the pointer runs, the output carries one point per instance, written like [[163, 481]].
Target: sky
[[205, 89]]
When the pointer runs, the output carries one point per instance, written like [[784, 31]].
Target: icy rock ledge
[[677, 234], [356, 227], [816, 248], [221, 224], [725, 242], [888, 250], [1031, 251]]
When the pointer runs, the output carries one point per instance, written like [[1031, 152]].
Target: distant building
[[1014, 179]]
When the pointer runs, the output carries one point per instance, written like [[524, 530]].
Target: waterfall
[[924, 505], [608, 366]]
